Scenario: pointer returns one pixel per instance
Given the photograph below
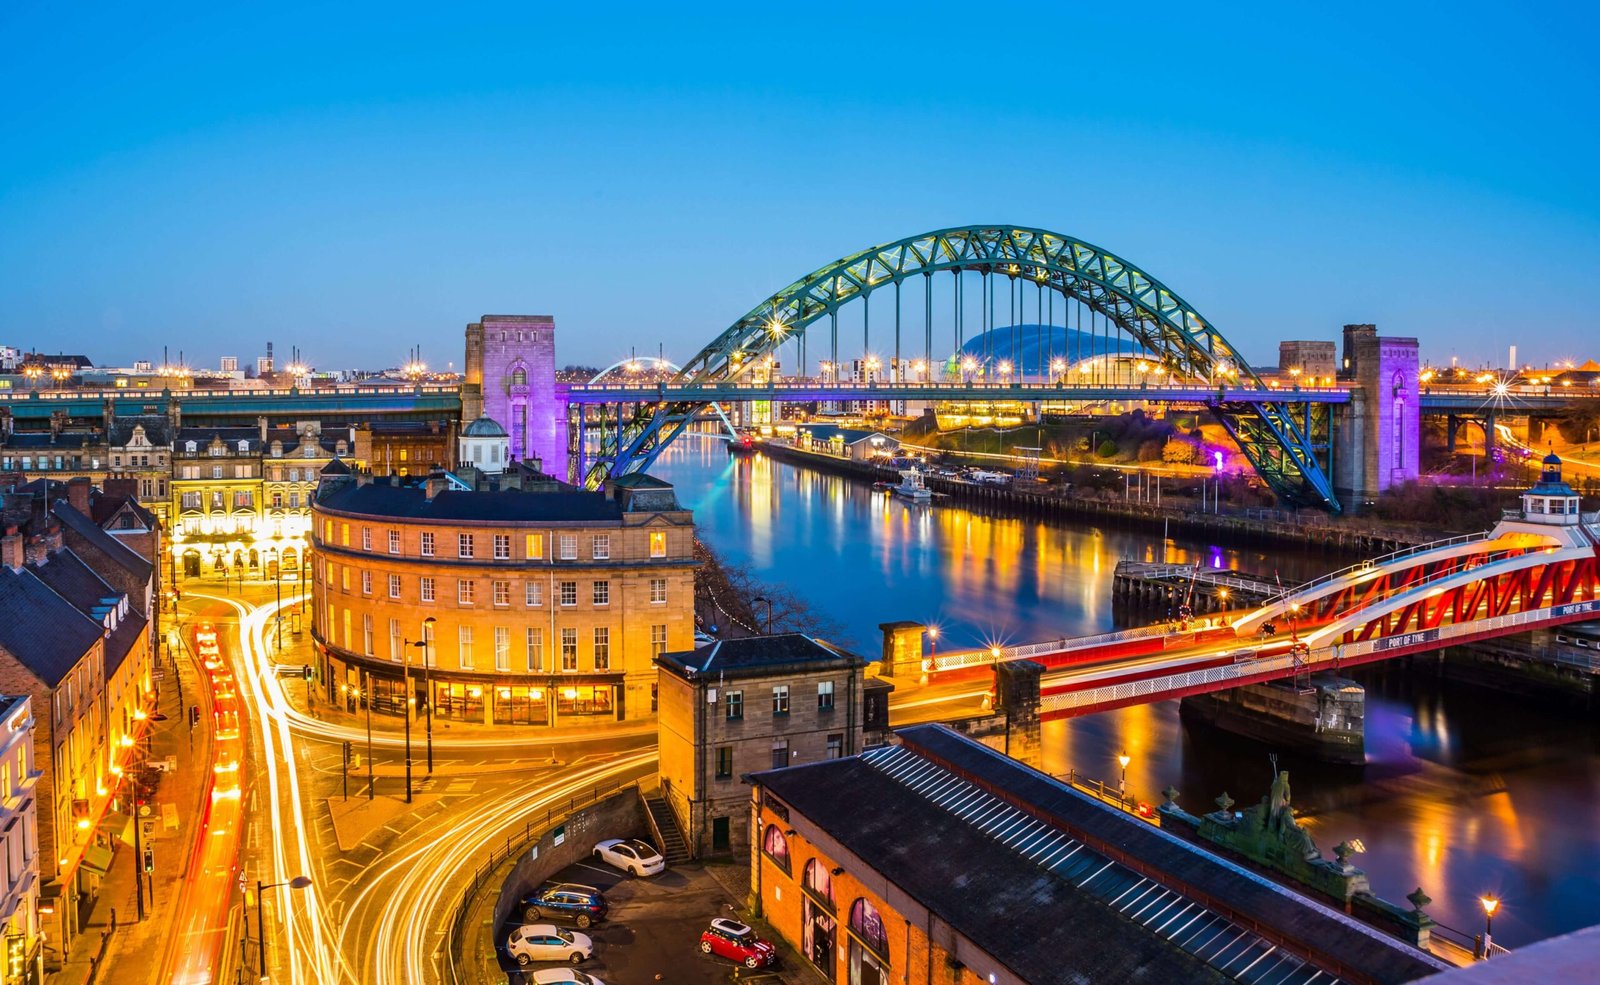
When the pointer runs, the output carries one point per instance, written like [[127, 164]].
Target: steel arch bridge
[[1287, 441]]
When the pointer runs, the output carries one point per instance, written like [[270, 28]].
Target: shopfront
[[458, 702], [521, 706]]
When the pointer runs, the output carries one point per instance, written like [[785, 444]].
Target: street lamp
[[1122, 787], [427, 681], [1489, 904], [298, 882], [933, 641], [411, 699], [762, 599]]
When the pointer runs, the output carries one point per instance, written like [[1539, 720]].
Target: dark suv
[[583, 905]]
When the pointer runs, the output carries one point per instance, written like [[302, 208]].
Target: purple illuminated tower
[[511, 378]]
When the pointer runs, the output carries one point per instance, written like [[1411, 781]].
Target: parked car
[[583, 905], [631, 855], [547, 942], [564, 976], [735, 941]]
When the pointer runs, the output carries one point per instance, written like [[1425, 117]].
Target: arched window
[[867, 926], [519, 377], [776, 847], [819, 883]]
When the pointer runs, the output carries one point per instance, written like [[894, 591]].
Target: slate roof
[[1366, 952], [380, 499], [42, 629], [156, 430], [106, 505], [120, 643], [759, 656], [69, 577], [44, 440], [119, 553]]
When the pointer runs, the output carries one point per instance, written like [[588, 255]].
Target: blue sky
[[357, 179]]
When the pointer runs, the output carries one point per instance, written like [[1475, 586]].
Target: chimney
[[435, 485], [108, 415], [11, 552], [78, 493], [261, 425], [175, 416], [39, 547], [58, 421]]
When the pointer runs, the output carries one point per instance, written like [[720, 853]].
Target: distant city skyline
[[357, 184]]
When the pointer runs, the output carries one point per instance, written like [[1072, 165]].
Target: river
[[1465, 792]]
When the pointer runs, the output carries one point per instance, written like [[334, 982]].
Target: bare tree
[[734, 588]]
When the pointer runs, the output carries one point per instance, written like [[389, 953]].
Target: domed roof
[[484, 427], [1552, 459]]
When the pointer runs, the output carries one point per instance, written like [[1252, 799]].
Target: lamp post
[[427, 681], [933, 641], [762, 599], [366, 695], [298, 882], [1122, 786], [411, 700], [277, 581], [1490, 904]]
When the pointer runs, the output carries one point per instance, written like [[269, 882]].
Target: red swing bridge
[[1538, 567]]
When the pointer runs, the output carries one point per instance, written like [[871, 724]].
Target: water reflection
[[1464, 791]]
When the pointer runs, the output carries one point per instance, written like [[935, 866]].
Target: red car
[[733, 940]]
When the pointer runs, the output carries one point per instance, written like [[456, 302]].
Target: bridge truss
[[1287, 441]]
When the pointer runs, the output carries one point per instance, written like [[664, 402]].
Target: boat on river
[[911, 487]]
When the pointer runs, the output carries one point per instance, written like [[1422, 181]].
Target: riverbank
[[1273, 528]]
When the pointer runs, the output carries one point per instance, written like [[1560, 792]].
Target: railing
[[1287, 663], [1143, 569], [1468, 942], [1378, 562], [1068, 644], [533, 828]]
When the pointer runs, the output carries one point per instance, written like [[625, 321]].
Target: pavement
[[134, 943], [653, 930]]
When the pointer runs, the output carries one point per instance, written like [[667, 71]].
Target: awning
[[117, 827], [97, 859]]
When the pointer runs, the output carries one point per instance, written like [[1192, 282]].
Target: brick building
[[941, 860], [19, 845], [511, 378], [735, 706], [406, 447], [541, 604]]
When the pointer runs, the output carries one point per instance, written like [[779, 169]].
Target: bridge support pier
[[1016, 686], [1323, 718]]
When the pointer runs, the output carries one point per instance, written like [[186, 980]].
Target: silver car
[[547, 942]]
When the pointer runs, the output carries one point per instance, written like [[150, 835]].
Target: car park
[[630, 855], [583, 905], [547, 942], [564, 976], [737, 942]]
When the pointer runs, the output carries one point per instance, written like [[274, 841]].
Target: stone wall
[[620, 815]]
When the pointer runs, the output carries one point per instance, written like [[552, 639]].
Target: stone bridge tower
[[1378, 433], [511, 378]]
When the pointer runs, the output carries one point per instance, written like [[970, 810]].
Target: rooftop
[[410, 501], [115, 550], [759, 656], [941, 818], [40, 628]]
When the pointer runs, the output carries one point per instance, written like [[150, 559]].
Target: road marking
[[595, 868]]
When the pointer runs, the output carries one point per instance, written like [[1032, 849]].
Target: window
[[734, 701], [502, 648], [569, 593], [502, 547], [535, 648], [602, 593], [602, 547], [658, 591], [835, 745], [867, 924], [502, 592], [602, 648], [344, 578], [533, 592], [569, 649], [394, 542], [243, 499], [191, 501], [568, 544], [658, 640], [397, 643], [366, 583], [724, 762], [776, 847], [394, 586], [366, 632], [658, 543], [427, 543], [425, 585], [463, 545], [780, 699], [464, 641], [344, 534], [825, 696], [466, 590], [780, 753], [366, 538], [535, 546]]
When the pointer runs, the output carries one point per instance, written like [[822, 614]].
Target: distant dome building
[[485, 446], [1036, 351]]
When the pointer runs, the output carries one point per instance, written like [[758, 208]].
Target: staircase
[[665, 825]]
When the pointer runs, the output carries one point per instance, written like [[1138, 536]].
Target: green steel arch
[[1284, 440]]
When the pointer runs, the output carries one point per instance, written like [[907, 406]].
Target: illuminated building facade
[[19, 845], [539, 604]]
